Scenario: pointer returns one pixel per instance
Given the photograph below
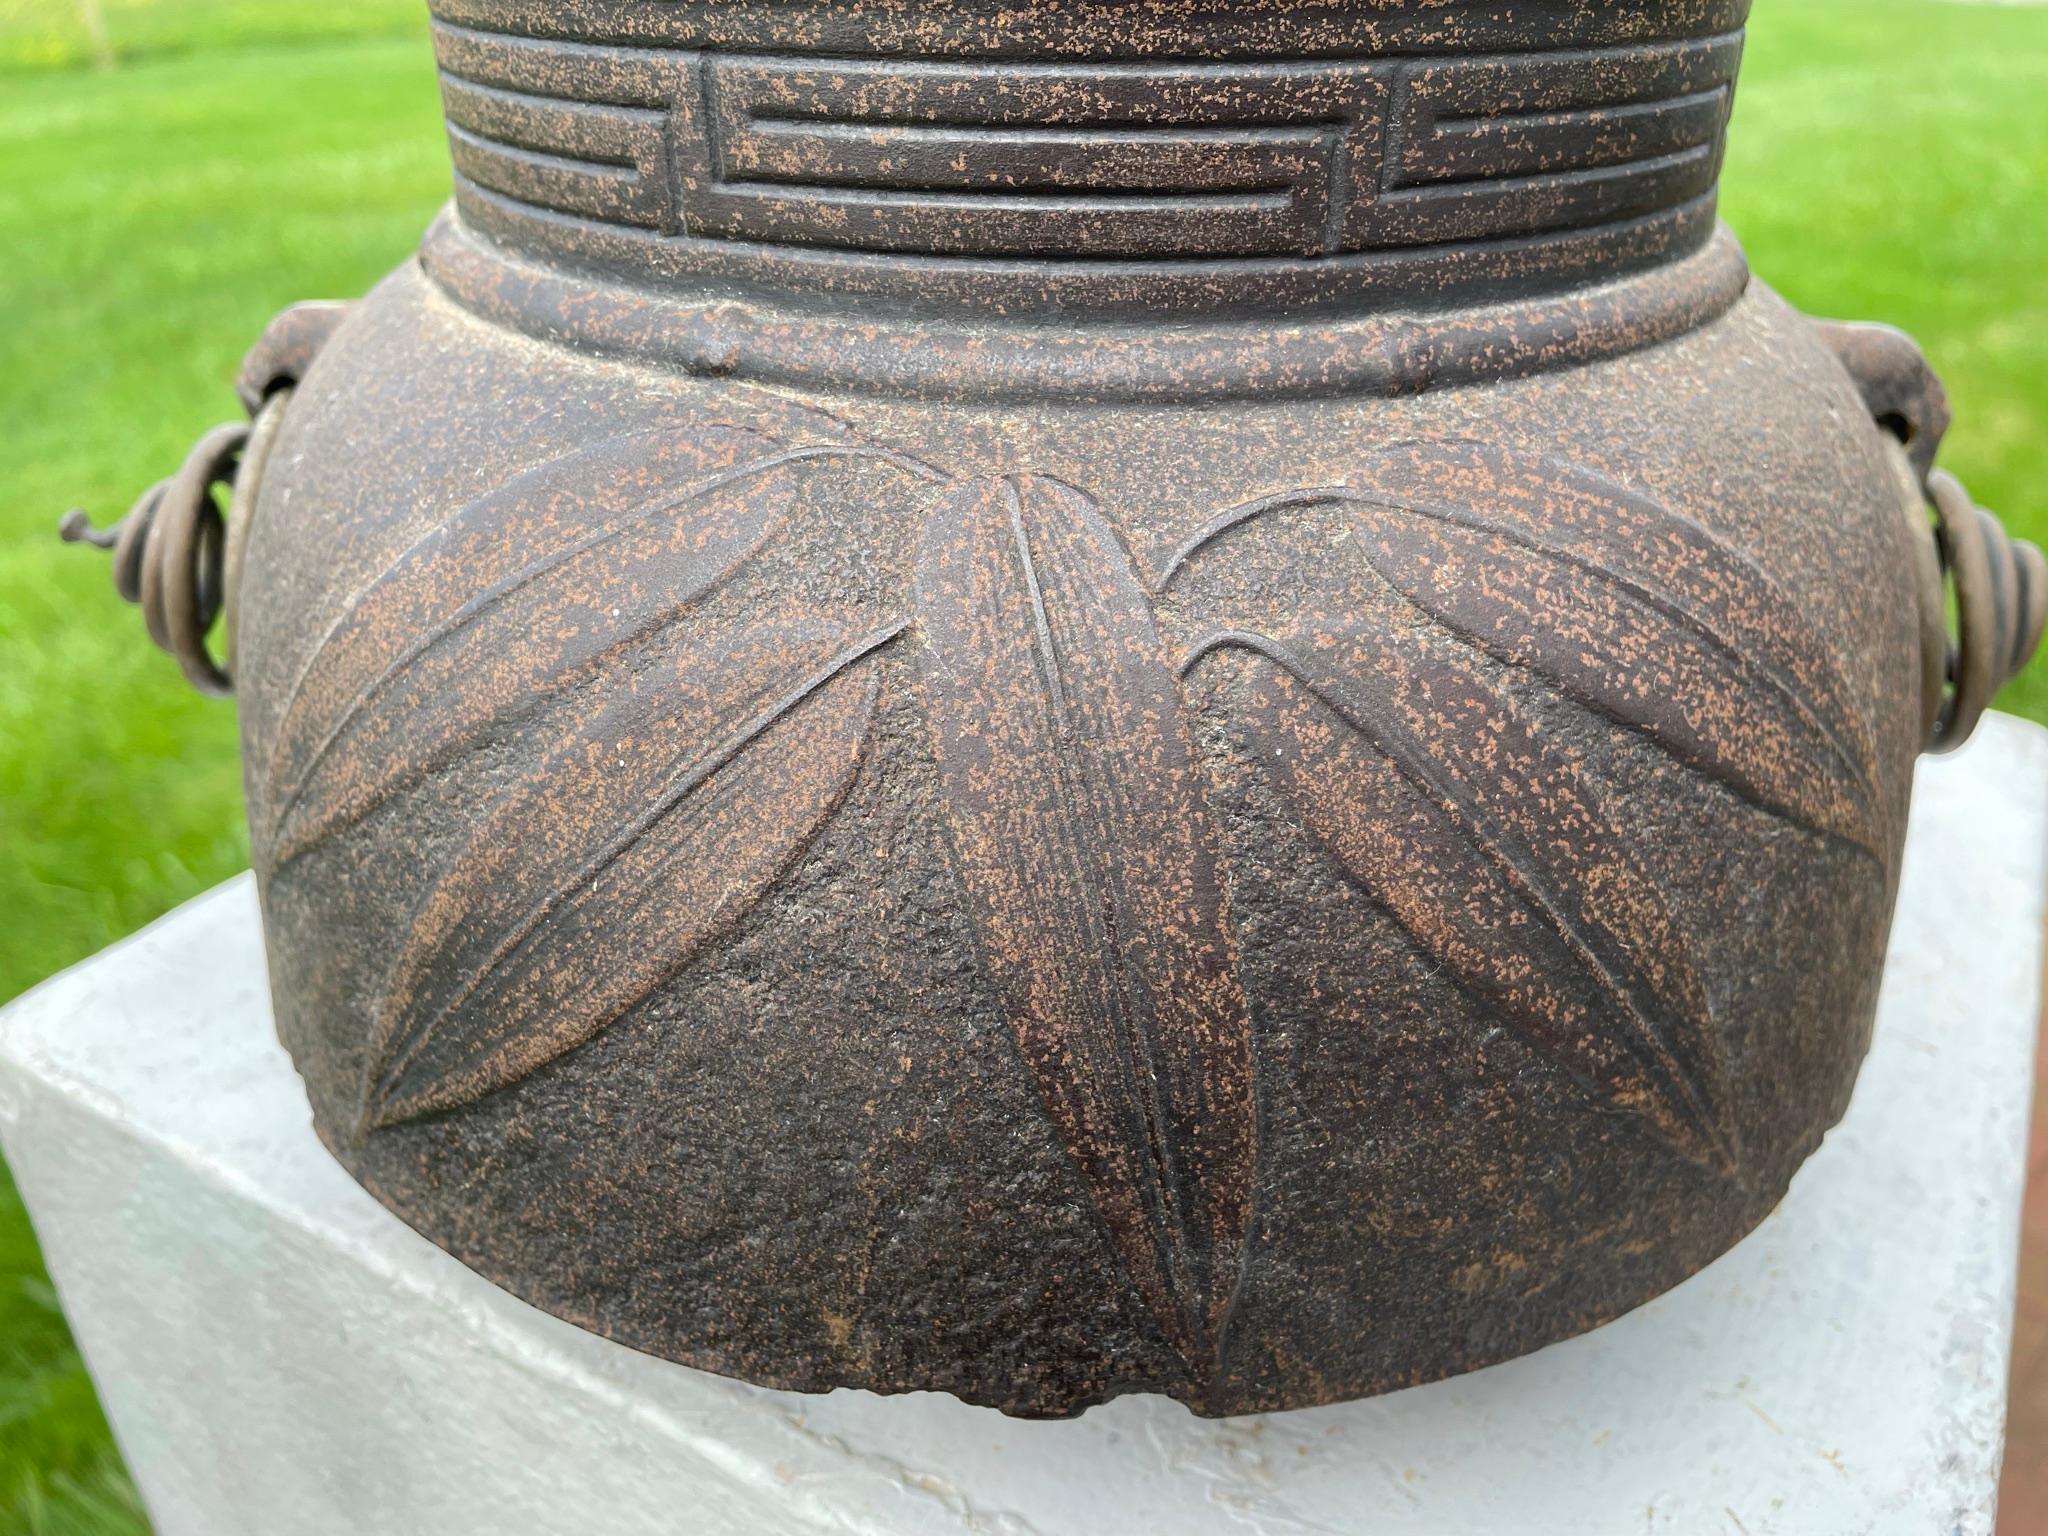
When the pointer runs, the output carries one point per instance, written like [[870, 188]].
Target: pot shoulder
[[1267, 900]]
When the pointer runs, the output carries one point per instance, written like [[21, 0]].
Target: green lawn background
[[1889, 160]]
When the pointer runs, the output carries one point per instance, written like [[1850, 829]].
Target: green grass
[[1889, 160], [152, 218], [56, 34]]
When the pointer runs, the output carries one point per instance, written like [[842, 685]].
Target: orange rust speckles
[[1383, 711], [1075, 804], [647, 833], [1636, 612], [1345, 172], [519, 595], [1484, 839], [881, 1014]]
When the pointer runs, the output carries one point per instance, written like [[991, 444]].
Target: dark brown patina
[[1064, 698]]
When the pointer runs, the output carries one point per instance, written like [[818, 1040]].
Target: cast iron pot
[[1055, 699]]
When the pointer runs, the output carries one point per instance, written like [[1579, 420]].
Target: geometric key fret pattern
[[1060, 161]]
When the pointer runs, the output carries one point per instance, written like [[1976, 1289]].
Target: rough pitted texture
[[861, 776], [1093, 156], [1843, 1369]]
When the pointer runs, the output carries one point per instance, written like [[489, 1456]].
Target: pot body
[[861, 804]]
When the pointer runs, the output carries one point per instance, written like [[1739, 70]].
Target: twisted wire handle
[[169, 552], [178, 553], [2000, 587], [1996, 585]]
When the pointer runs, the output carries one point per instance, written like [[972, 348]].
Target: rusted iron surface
[[1051, 700], [285, 350], [1249, 158]]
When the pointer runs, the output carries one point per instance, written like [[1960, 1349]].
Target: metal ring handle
[[175, 555], [2001, 602], [168, 554], [182, 558], [1999, 583]]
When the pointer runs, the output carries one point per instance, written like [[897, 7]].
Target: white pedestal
[[280, 1357]]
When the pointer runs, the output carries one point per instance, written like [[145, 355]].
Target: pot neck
[[1091, 159]]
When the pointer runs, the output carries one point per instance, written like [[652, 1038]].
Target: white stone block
[[281, 1357]]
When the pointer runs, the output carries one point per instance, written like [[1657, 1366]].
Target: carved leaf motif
[[1639, 613], [648, 832], [1075, 804], [1481, 835], [514, 599]]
